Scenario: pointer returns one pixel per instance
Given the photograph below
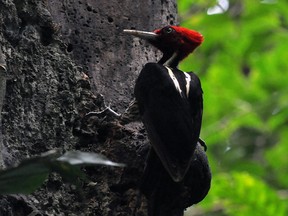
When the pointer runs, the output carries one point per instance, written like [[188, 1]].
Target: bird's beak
[[150, 36]]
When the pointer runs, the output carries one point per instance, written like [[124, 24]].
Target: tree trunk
[[64, 59]]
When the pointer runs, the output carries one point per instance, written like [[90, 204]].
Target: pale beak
[[142, 34]]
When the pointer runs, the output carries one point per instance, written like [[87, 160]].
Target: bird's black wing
[[172, 121]]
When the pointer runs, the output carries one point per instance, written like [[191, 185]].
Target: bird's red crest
[[190, 35]]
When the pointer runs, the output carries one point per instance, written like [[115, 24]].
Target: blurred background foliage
[[243, 67]]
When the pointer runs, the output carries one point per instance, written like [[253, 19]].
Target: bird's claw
[[202, 143]]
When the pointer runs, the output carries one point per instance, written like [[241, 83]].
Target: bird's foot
[[202, 143]]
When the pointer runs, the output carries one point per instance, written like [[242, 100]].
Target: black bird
[[169, 100], [177, 173]]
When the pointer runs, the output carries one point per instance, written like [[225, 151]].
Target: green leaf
[[68, 165], [32, 172], [86, 158], [28, 176], [23, 179]]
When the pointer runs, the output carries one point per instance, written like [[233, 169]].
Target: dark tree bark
[[64, 59]]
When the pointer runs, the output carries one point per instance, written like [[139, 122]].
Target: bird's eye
[[168, 30]]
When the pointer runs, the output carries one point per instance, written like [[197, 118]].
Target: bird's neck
[[171, 59]]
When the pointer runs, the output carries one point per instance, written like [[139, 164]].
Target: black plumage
[[170, 103], [171, 117], [169, 198]]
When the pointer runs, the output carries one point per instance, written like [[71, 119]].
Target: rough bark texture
[[61, 57]]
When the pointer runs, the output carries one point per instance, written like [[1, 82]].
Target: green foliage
[[31, 173], [243, 69], [243, 194]]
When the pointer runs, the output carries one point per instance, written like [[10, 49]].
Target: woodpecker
[[177, 173], [169, 100]]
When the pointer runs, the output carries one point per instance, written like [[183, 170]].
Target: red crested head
[[175, 42], [184, 34]]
